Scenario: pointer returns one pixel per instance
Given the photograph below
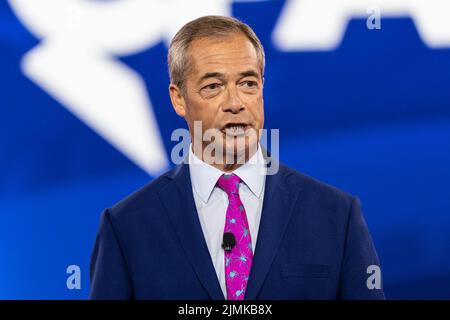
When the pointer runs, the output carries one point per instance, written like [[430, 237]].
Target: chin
[[241, 149]]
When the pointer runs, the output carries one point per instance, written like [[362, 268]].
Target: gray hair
[[206, 27]]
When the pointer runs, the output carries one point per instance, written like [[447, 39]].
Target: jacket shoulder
[[141, 199], [320, 204], [314, 187]]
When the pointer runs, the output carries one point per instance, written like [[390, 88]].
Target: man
[[219, 226]]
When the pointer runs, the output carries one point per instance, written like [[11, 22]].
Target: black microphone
[[229, 241]]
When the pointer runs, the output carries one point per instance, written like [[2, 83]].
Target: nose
[[233, 102]]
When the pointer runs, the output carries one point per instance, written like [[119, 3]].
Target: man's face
[[224, 90]]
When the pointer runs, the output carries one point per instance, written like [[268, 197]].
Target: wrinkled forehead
[[228, 55]]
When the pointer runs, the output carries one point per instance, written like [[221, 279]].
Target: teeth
[[235, 129]]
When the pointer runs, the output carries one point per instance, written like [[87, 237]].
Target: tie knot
[[229, 183]]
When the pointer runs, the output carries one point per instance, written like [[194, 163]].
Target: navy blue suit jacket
[[313, 243]]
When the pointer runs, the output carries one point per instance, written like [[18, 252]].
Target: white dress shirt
[[212, 203]]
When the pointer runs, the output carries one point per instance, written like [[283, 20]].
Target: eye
[[212, 86], [211, 90], [250, 84]]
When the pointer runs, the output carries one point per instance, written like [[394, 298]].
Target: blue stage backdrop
[[361, 96]]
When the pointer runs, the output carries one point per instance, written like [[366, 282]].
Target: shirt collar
[[205, 176]]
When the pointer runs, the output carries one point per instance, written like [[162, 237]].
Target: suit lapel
[[279, 201], [179, 202], [277, 209]]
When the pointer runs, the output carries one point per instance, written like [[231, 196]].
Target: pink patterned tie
[[238, 261]]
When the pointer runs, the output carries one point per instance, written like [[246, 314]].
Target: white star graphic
[[75, 63]]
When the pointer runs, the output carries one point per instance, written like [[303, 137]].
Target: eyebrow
[[249, 73], [211, 75], [219, 75]]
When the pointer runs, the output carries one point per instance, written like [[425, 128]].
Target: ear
[[178, 103]]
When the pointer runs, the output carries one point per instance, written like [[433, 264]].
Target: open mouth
[[235, 129]]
